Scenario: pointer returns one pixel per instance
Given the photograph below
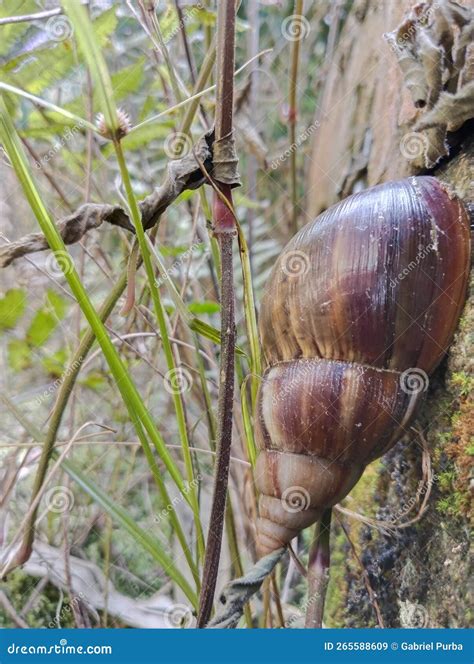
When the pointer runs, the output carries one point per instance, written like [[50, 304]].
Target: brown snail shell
[[358, 311]]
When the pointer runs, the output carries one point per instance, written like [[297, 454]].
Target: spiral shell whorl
[[358, 311], [294, 490], [320, 422]]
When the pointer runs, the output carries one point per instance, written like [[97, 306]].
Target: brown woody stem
[[224, 228], [318, 572]]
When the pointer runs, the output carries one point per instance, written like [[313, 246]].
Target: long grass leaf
[[90, 48], [130, 395]]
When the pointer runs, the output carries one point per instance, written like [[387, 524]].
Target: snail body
[[359, 309]]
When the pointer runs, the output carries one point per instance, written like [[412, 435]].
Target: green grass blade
[[46, 104], [122, 517], [163, 327], [90, 48], [131, 397]]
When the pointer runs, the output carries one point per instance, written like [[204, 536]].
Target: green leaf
[[143, 136], [46, 319], [94, 380], [205, 307], [210, 332], [12, 307], [48, 105], [54, 363], [57, 303], [181, 249], [19, 355], [13, 32], [129, 79], [41, 327]]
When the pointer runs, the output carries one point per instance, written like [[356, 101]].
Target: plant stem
[[224, 229], [64, 393], [161, 318], [318, 572], [292, 115]]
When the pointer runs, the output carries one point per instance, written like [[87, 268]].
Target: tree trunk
[[419, 573]]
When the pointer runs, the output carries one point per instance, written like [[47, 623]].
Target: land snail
[[359, 309]]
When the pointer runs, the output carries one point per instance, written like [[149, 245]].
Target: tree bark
[[419, 574]]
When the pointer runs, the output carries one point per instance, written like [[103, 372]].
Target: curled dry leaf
[[433, 45]]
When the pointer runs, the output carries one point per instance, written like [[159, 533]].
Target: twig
[[64, 394], [10, 611], [187, 50], [31, 17], [181, 174], [318, 572], [22, 554], [253, 15], [370, 591], [224, 230], [424, 489], [292, 115]]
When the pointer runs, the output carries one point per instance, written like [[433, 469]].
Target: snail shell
[[358, 311]]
